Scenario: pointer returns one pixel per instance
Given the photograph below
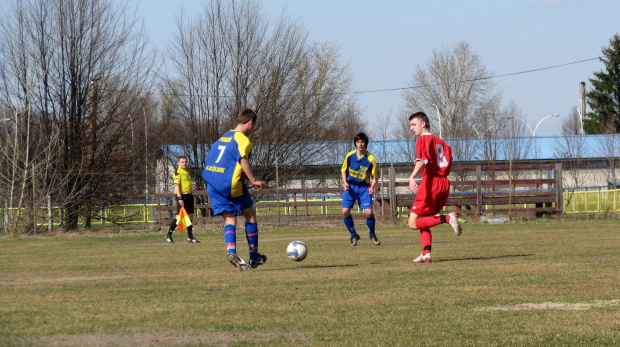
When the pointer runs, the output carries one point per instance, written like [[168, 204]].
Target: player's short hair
[[182, 157], [423, 117], [246, 115], [361, 136]]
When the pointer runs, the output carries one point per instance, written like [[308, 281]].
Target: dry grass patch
[[536, 283]]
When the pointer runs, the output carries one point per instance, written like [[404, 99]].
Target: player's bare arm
[[344, 181], [371, 189], [413, 185], [177, 192], [247, 170]]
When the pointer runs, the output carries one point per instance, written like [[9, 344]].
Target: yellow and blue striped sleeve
[[345, 163], [375, 171]]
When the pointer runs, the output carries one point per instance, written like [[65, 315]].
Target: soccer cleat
[[375, 240], [169, 239], [454, 223], [192, 240], [237, 262], [354, 239], [262, 259], [423, 259]]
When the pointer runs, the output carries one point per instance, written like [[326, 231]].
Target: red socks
[[426, 239]]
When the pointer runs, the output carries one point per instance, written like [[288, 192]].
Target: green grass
[[544, 283]]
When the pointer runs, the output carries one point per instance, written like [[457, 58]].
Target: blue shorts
[[359, 193], [234, 206]]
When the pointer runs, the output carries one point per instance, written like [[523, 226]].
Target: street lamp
[[533, 131], [580, 119], [439, 116], [551, 115], [489, 129]]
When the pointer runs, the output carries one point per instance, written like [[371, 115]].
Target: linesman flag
[[183, 220]]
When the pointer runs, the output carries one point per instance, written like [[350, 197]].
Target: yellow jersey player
[[224, 169], [359, 177], [183, 194]]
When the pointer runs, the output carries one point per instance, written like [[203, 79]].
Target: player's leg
[[348, 200], [365, 200], [221, 205], [440, 190], [230, 232], [230, 238], [245, 204], [370, 222], [188, 201], [431, 198], [173, 225], [251, 234], [426, 239]]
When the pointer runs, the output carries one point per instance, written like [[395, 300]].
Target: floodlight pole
[[521, 119], [536, 128], [580, 119], [439, 116]]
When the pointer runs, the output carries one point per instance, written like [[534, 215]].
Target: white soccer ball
[[297, 251]]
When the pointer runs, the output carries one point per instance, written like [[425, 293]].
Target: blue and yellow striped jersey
[[359, 170], [222, 167]]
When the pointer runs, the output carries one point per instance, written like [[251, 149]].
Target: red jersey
[[435, 153]]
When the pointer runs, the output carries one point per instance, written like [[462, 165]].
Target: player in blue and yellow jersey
[[225, 168], [359, 176], [183, 194]]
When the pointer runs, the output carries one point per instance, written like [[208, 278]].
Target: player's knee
[[412, 222], [346, 213]]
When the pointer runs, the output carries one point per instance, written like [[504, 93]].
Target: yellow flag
[[183, 220]]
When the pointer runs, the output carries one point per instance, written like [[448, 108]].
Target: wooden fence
[[475, 190]]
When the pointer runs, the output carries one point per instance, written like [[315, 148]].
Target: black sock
[[189, 232], [442, 218], [173, 225]]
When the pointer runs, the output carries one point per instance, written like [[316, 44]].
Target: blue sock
[[348, 221], [370, 221], [251, 234], [230, 238]]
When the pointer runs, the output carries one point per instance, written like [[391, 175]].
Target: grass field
[[544, 283]]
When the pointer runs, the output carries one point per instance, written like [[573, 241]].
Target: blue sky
[[384, 41]]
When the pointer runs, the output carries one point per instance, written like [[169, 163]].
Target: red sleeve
[[421, 149]]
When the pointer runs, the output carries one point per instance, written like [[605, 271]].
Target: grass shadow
[[487, 258], [313, 267]]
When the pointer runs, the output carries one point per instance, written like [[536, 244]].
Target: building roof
[[472, 149]]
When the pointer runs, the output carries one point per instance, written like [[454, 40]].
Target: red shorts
[[432, 195]]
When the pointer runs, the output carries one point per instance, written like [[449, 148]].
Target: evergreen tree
[[604, 98]]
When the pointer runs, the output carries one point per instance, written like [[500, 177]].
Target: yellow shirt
[[182, 178]]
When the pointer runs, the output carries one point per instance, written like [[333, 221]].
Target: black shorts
[[188, 200]]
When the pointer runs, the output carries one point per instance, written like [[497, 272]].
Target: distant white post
[[439, 116]]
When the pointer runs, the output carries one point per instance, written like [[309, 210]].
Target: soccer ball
[[297, 251]]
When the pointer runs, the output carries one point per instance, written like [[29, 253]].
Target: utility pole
[[582, 103]]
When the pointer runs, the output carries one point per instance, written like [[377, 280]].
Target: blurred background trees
[[88, 108], [604, 97]]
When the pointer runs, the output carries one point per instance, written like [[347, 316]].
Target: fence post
[[392, 176], [50, 214], [479, 189], [103, 213], [559, 200]]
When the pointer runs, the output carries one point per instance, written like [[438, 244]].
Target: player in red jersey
[[433, 161]]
